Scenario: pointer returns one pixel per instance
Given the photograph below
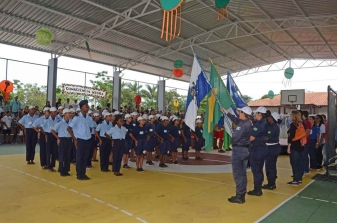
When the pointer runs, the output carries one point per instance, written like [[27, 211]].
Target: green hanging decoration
[[172, 11], [178, 64], [88, 49], [221, 6], [271, 94], [288, 74], [43, 36]]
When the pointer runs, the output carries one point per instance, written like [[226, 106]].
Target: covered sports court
[[125, 34]]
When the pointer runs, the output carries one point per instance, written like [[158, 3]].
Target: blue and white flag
[[235, 92], [198, 89]]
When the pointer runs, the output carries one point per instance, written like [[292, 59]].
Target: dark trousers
[[312, 154], [31, 139], [82, 153], [73, 154], [51, 151], [64, 154], [271, 159], [296, 164], [257, 156], [240, 157], [43, 145], [319, 155], [117, 150], [93, 145], [186, 145], [104, 152], [305, 158]]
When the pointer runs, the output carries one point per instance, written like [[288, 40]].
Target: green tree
[[134, 87], [170, 96], [30, 94], [105, 83], [247, 98], [150, 96], [265, 96]]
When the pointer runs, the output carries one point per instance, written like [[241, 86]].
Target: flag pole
[[216, 97]]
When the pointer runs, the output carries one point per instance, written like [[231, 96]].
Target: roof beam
[[315, 28]]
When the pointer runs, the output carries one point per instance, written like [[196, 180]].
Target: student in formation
[[94, 138], [156, 123], [25, 124], [163, 135], [199, 140], [151, 142], [134, 116], [42, 140], [59, 116], [105, 144], [175, 135], [186, 135], [139, 136], [64, 142], [117, 136], [128, 140], [73, 149], [7, 128]]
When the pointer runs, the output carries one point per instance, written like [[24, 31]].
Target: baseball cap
[[261, 110], [66, 110], [127, 116], [31, 107], [151, 116], [247, 110], [140, 118], [198, 121], [164, 118], [72, 110], [95, 114], [116, 113], [145, 116], [61, 107], [53, 109], [158, 115], [276, 116], [134, 113], [46, 109], [175, 118]]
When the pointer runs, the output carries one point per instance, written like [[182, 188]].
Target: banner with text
[[82, 90]]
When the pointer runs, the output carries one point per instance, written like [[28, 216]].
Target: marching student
[[105, 144], [51, 144], [79, 129], [94, 138], [134, 123], [151, 142], [7, 128], [175, 134], [199, 139], [73, 149], [92, 131], [117, 135], [128, 140], [60, 113], [64, 142], [163, 135], [42, 140], [25, 124], [186, 134], [139, 136]]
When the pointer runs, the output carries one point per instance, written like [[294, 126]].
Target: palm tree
[[150, 96], [133, 87]]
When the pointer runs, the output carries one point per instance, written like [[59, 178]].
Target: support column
[[51, 81], [161, 95], [117, 82]]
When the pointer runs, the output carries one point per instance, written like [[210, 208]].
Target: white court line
[[43, 180], [334, 202], [75, 191], [52, 183], [322, 200], [36, 177], [307, 198], [99, 201], [127, 213], [85, 195], [110, 205], [28, 174], [141, 220], [63, 187], [285, 201]]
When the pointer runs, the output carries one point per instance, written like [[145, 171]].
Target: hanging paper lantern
[[138, 100], [88, 49], [6, 88], [289, 73], [178, 72], [271, 94], [221, 6], [44, 36], [175, 105], [178, 64], [172, 10]]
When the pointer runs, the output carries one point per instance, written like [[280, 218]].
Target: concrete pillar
[[51, 81], [117, 83], [161, 95]]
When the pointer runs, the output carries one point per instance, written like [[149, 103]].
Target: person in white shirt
[[66, 105], [7, 121], [75, 105]]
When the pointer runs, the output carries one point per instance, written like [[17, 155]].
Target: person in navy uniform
[[79, 129], [274, 149], [117, 136], [26, 124], [64, 142], [175, 134], [94, 141], [151, 143], [199, 139], [42, 140], [51, 144], [134, 116], [186, 143], [128, 140], [240, 145], [163, 135], [259, 149], [105, 144]]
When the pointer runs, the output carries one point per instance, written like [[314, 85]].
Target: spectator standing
[[15, 105]]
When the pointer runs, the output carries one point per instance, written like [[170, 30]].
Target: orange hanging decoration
[[138, 100], [178, 72], [221, 8], [172, 10], [6, 88]]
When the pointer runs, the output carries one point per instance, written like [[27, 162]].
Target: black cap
[[83, 102]]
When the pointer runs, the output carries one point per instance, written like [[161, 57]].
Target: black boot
[[239, 199], [256, 192], [270, 186]]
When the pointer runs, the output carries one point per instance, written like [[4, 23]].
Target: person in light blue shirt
[[117, 135], [94, 140], [26, 124], [79, 130], [64, 142], [45, 129], [105, 148], [15, 105], [42, 140], [60, 113]]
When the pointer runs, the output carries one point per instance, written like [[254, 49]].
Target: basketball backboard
[[293, 97]]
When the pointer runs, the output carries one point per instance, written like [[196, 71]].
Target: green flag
[[213, 113]]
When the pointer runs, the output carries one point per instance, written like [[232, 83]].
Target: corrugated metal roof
[[136, 39]]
